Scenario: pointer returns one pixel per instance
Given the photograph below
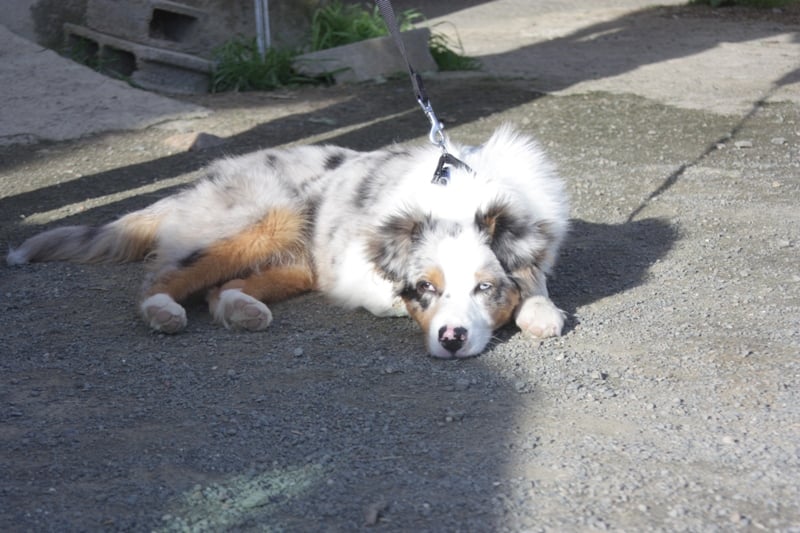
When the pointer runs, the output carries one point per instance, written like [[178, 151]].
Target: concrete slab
[[369, 59], [711, 62], [149, 67], [48, 97]]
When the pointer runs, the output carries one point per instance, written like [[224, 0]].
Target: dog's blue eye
[[484, 286]]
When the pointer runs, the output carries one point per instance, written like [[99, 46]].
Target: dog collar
[[447, 161]]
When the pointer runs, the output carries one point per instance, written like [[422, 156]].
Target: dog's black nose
[[452, 339]]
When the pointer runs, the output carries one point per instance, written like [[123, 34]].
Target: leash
[[437, 135]]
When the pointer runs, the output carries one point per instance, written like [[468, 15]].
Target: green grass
[[239, 67], [337, 24], [764, 4], [444, 53]]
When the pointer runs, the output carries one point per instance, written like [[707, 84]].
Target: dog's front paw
[[398, 307], [381, 309], [162, 313], [540, 318], [237, 310]]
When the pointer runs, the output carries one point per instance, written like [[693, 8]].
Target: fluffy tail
[[128, 239]]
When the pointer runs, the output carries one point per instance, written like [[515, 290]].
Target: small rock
[[738, 518], [677, 511], [373, 511], [743, 144], [462, 384], [193, 142], [744, 352], [453, 416], [389, 369], [323, 120], [298, 352], [596, 374], [257, 498], [522, 386], [778, 140]]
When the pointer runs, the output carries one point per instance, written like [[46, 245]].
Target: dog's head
[[460, 280]]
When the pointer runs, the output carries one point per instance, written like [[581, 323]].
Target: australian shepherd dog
[[368, 229]]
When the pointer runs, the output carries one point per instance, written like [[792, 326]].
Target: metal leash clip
[[447, 162], [436, 135]]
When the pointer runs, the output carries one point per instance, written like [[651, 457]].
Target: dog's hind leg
[[278, 237], [238, 304]]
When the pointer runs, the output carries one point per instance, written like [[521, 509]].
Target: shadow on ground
[[324, 422]]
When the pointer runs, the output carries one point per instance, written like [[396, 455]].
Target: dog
[[368, 229]]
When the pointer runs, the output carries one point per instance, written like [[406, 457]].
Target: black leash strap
[[437, 136], [387, 12]]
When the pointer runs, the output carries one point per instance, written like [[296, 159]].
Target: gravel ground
[[670, 404]]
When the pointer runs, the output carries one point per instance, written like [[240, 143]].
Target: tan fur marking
[[435, 276], [501, 309], [138, 234], [275, 284], [279, 233], [502, 314], [422, 317]]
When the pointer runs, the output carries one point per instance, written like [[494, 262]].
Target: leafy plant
[[83, 51], [117, 64], [240, 67], [446, 57], [337, 24]]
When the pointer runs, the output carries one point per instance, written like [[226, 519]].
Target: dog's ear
[[391, 245], [516, 240]]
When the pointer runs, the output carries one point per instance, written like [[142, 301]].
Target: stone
[[369, 59]]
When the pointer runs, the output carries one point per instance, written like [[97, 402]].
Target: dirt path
[[670, 404]]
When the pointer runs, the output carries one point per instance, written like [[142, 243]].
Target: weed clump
[[240, 67]]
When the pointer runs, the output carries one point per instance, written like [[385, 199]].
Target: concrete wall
[[190, 26], [17, 17], [42, 21], [163, 45]]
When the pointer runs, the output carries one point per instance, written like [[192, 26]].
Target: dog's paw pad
[[539, 318], [237, 310], [164, 314]]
